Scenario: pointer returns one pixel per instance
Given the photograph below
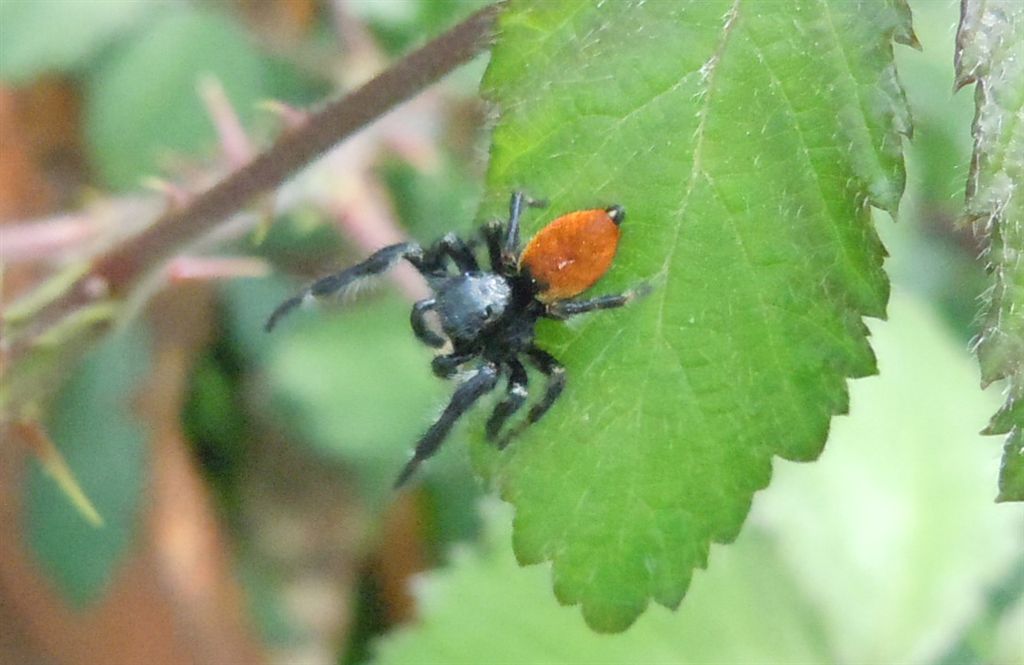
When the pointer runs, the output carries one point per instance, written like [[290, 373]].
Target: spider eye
[[488, 311]]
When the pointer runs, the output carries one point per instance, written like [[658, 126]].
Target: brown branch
[[170, 233]]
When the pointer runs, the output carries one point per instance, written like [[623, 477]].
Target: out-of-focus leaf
[[883, 552], [247, 304], [990, 53], [143, 104], [746, 142], [893, 531], [395, 400], [1009, 645], [356, 384], [986, 642], [104, 444], [927, 254], [429, 205], [38, 37], [744, 609], [399, 24]]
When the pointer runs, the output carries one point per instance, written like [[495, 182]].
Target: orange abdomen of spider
[[570, 254]]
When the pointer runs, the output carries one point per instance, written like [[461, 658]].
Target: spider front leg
[[493, 233], [472, 389], [455, 248], [555, 371], [418, 321], [445, 367], [517, 394], [563, 309], [519, 200], [379, 262]]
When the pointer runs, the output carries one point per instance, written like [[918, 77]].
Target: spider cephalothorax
[[489, 317]]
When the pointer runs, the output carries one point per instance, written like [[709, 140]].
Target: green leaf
[[870, 556], [38, 37], [93, 426], [746, 142], [990, 53], [143, 105], [1011, 473]]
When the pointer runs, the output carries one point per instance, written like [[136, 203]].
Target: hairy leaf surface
[[746, 142], [990, 53]]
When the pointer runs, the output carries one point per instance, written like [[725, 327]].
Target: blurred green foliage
[[485, 609], [93, 423], [340, 381], [141, 64], [41, 37], [400, 25], [162, 66]]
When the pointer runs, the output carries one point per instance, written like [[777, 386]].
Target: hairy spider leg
[[380, 261], [481, 383], [456, 248], [517, 394], [428, 263], [555, 371], [563, 309], [419, 324]]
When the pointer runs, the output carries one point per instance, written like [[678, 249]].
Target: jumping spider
[[489, 316]]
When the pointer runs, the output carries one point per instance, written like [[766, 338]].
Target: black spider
[[488, 317]]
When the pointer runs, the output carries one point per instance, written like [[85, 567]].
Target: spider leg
[[445, 367], [517, 395], [492, 233], [515, 212], [379, 262], [465, 395], [419, 324], [563, 309], [555, 372], [456, 248]]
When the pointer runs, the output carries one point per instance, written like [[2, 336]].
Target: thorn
[[292, 118], [35, 436], [234, 142], [909, 39], [40, 240], [206, 268]]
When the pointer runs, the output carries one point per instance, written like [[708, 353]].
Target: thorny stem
[[339, 119], [116, 272]]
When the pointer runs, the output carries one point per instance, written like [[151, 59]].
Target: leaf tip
[[611, 618]]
